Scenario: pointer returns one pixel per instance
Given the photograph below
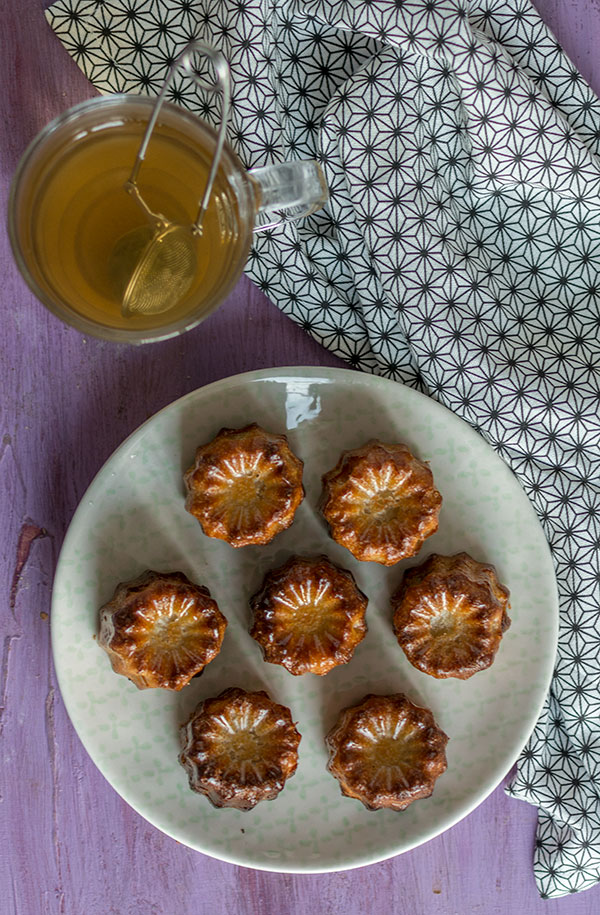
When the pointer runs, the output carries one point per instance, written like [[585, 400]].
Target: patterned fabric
[[459, 254]]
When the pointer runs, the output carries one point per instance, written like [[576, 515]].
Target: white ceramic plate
[[132, 518]]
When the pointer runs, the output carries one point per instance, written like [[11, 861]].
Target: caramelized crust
[[380, 502], [245, 486], [239, 748], [450, 613], [160, 630], [309, 616], [386, 752]]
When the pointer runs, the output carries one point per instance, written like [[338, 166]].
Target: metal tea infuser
[[164, 252]]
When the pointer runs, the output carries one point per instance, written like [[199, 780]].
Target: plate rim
[[326, 374]]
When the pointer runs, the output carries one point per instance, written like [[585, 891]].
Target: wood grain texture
[[68, 843]]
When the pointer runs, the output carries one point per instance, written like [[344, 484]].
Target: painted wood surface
[[68, 843]]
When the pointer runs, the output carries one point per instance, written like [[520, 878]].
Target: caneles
[[450, 614], [309, 615], [386, 752], [239, 748], [160, 629], [244, 486], [380, 502]]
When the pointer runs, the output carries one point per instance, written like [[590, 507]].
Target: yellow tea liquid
[[81, 211]]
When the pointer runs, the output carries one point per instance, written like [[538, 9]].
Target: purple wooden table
[[68, 843]]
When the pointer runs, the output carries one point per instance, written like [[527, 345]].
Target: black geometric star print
[[458, 254]]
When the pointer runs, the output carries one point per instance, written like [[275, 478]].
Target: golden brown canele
[[386, 752], [160, 629], [309, 615], [450, 613], [239, 748], [245, 486], [380, 502]]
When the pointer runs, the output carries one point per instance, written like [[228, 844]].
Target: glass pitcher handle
[[289, 190]]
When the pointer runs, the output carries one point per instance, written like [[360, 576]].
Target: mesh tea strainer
[[156, 263]]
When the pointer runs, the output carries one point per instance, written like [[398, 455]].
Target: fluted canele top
[[161, 629], [450, 614], [244, 486], [380, 502], [386, 752], [239, 748]]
